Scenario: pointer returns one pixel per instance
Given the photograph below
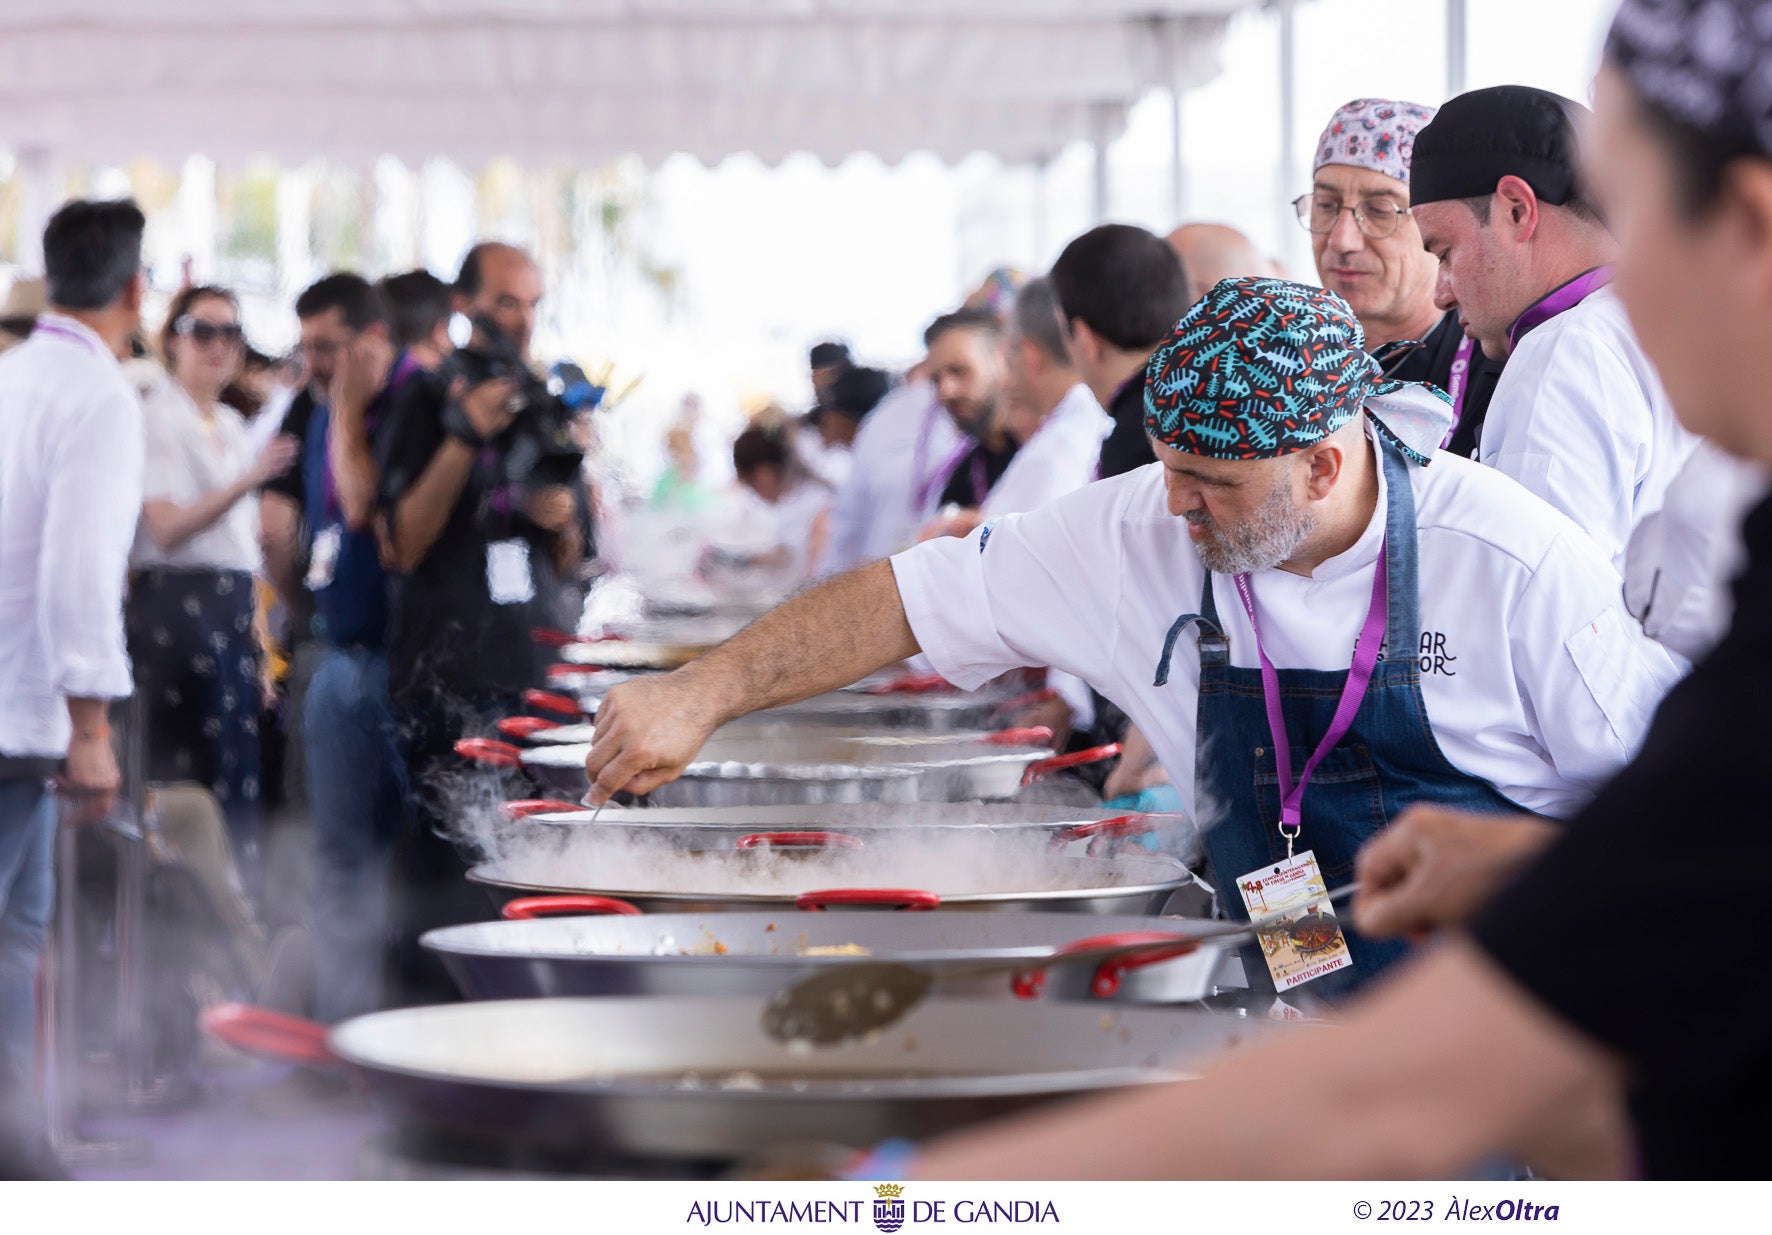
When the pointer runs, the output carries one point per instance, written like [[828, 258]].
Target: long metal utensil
[[848, 1001]]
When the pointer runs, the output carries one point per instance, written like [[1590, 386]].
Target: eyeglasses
[[205, 333], [1377, 217]]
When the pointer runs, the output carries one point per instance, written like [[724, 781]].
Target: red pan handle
[[903, 898], [913, 684], [523, 728], [525, 908], [1117, 828], [1043, 768], [260, 1031], [557, 672], [1011, 706], [1028, 983], [489, 752], [548, 701], [522, 808], [1037, 735], [548, 637], [798, 840]]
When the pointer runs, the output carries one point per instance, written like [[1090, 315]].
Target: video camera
[[538, 449]]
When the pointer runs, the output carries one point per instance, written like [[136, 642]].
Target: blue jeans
[[356, 792], [27, 892]]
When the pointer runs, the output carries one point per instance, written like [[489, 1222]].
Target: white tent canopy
[[588, 79]]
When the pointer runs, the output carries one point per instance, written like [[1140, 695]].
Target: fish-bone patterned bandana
[[1262, 368]]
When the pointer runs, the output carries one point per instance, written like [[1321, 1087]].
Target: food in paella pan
[[1313, 932]]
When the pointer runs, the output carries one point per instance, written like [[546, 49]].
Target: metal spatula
[[853, 999]]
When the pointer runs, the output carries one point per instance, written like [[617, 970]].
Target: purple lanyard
[[925, 484], [1359, 676], [45, 327], [981, 478], [1457, 382], [1562, 300]]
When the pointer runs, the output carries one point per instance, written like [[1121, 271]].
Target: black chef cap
[[1479, 137]]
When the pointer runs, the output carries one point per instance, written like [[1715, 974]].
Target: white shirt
[[1579, 417], [750, 526], [1533, 676], [1058, 459], [1682, 558], [1061, 457], [901, 448], [188, 458], [830, 463], [70, 494]]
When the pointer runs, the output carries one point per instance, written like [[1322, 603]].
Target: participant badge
[[1295, 925]]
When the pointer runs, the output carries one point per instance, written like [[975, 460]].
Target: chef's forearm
[[1446, 1065], [821, 640]]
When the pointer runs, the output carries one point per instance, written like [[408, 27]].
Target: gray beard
[[1270, 536]]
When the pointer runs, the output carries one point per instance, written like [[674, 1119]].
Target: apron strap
[[1214, 649], [1403, 629]]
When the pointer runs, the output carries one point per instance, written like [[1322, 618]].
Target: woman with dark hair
[[1592, 1009], [196, 551]]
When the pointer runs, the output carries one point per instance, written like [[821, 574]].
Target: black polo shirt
[[1126, 447], [976, 475], [1643, 926]]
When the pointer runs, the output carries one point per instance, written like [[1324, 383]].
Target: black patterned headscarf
[[1706, 63]]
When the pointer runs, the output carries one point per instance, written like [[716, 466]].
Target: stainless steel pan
[[559, 826], [721, 880], [760, 954], [801, 767], [901, 703], [699, 1079]]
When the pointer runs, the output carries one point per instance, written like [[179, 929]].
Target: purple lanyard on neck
[[1359, 676], [1457, 382], [926, 484], [1562, 300], [48, 327]]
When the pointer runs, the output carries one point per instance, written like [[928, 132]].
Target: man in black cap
[[1578, 416]]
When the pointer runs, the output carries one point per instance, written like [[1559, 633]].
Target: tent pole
[[1103, 128], [40, 193], [1457, 46], [1169, 43], [1288, 117]]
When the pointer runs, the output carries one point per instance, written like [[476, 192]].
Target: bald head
[[1211, 251], [501, 284]]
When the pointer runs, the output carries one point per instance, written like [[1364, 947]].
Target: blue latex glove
[[1156, 800]]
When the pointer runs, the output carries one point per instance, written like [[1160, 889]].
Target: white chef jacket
[[1682, 558], [187, 459], [70, 494], [1579, 417], [1060, 457], [878, 511], [1533, 676]]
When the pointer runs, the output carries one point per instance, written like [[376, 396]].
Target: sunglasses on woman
[[204, 333]]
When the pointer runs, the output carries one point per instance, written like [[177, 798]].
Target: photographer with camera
[[478, 514]]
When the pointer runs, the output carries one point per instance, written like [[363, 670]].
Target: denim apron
[[1386, 761]]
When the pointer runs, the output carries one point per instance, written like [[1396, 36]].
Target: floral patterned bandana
[[1376, 134]]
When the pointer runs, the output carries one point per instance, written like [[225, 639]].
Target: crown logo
[[892, 1191]]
